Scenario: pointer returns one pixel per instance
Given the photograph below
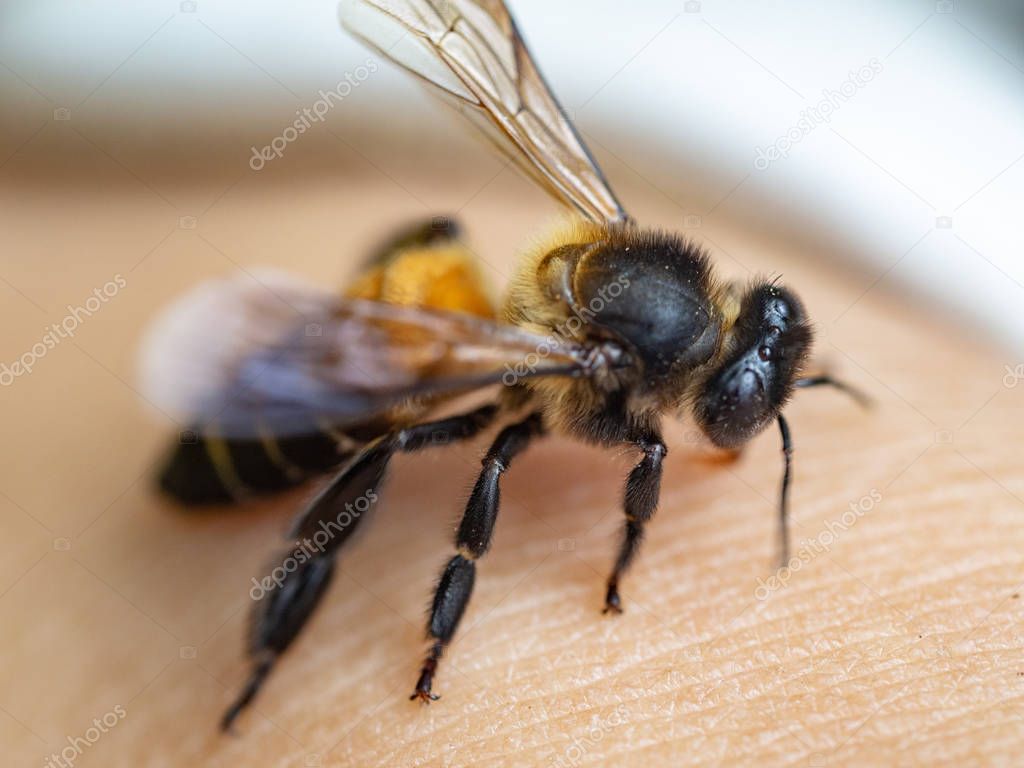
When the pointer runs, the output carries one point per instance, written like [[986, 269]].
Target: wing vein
[[471, 50]]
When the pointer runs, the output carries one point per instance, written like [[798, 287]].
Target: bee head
[[766, 349]]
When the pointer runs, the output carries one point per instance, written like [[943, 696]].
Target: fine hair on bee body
[[607, 328], [567, 283]]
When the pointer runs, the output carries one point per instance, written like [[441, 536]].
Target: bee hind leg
[[288, 595], [278, 617], [640, 501], [472, 541]]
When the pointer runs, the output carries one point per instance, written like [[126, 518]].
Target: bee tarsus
[[639, 504]]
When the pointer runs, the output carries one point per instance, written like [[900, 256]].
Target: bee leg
[[360, 478], [287, 597], [278, 616], [640, 502], [472, 541]]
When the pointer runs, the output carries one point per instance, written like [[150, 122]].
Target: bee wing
[[473, 55], [260, 353]]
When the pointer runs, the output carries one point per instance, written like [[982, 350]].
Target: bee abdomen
[[207, 469]]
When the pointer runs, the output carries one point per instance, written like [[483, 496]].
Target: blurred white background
[[917, 175]]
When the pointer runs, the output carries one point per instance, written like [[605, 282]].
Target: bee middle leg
[[639, 503], [472, 541], [303, 572]]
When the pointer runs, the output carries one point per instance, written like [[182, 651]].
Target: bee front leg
[[472, 541], [639, 503]]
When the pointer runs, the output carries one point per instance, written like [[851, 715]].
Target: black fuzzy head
[[768, 346], [650, 290]]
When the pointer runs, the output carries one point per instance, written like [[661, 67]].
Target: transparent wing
[[260, 353], [471, 52]]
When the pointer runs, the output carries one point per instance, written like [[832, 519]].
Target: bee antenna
[[827, 381], [787, 464]]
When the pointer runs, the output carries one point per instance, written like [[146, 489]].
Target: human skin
[[896, 640]]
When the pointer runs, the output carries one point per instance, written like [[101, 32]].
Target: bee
[[607, 328]]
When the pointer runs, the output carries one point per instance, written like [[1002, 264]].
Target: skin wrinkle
[[748, 671]]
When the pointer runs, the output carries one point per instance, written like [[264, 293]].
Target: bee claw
[[612, 602]]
